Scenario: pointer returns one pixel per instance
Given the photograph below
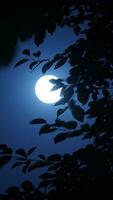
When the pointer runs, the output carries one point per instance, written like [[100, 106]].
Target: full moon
[[43, 90]]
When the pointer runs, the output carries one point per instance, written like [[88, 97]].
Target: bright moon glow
[[43, 90]]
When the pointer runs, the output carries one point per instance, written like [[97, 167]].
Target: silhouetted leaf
[[54, 157], [42, 157], [59, 123], [61, 111], [37, 54], [32, 64], [26, 52], [46, 176], [60, 62], [12, 191], [37, 164], [70, 125], [3, 146], [60, 137], [31, 150], [44, 184], [85, 127], [56, 81], [57, 86], [33, 167], [38, 121], [66, 11], [27, 186], [46, 129], [67, 158], [106, 93], [21, 152], [83, 94], [46, 66], [4, 160], [77, 111], [4, 149], [21, 62], [68, 93], [8, 151], [17, 164], [51, 28], [39, 37], [57, 57], [75, 133], [54, 167], [77, 30], [60, 102]]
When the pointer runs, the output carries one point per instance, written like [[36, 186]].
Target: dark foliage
[[88, 170]]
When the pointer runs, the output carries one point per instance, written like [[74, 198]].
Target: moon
[[43, 90]]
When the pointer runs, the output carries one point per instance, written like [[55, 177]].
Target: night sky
[[19, 105]]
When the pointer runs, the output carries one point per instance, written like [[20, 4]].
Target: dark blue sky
[[19, 105]]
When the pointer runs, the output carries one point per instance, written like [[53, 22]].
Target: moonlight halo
[[43, 90]]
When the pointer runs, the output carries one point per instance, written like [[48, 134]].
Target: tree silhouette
[[88, 170]]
